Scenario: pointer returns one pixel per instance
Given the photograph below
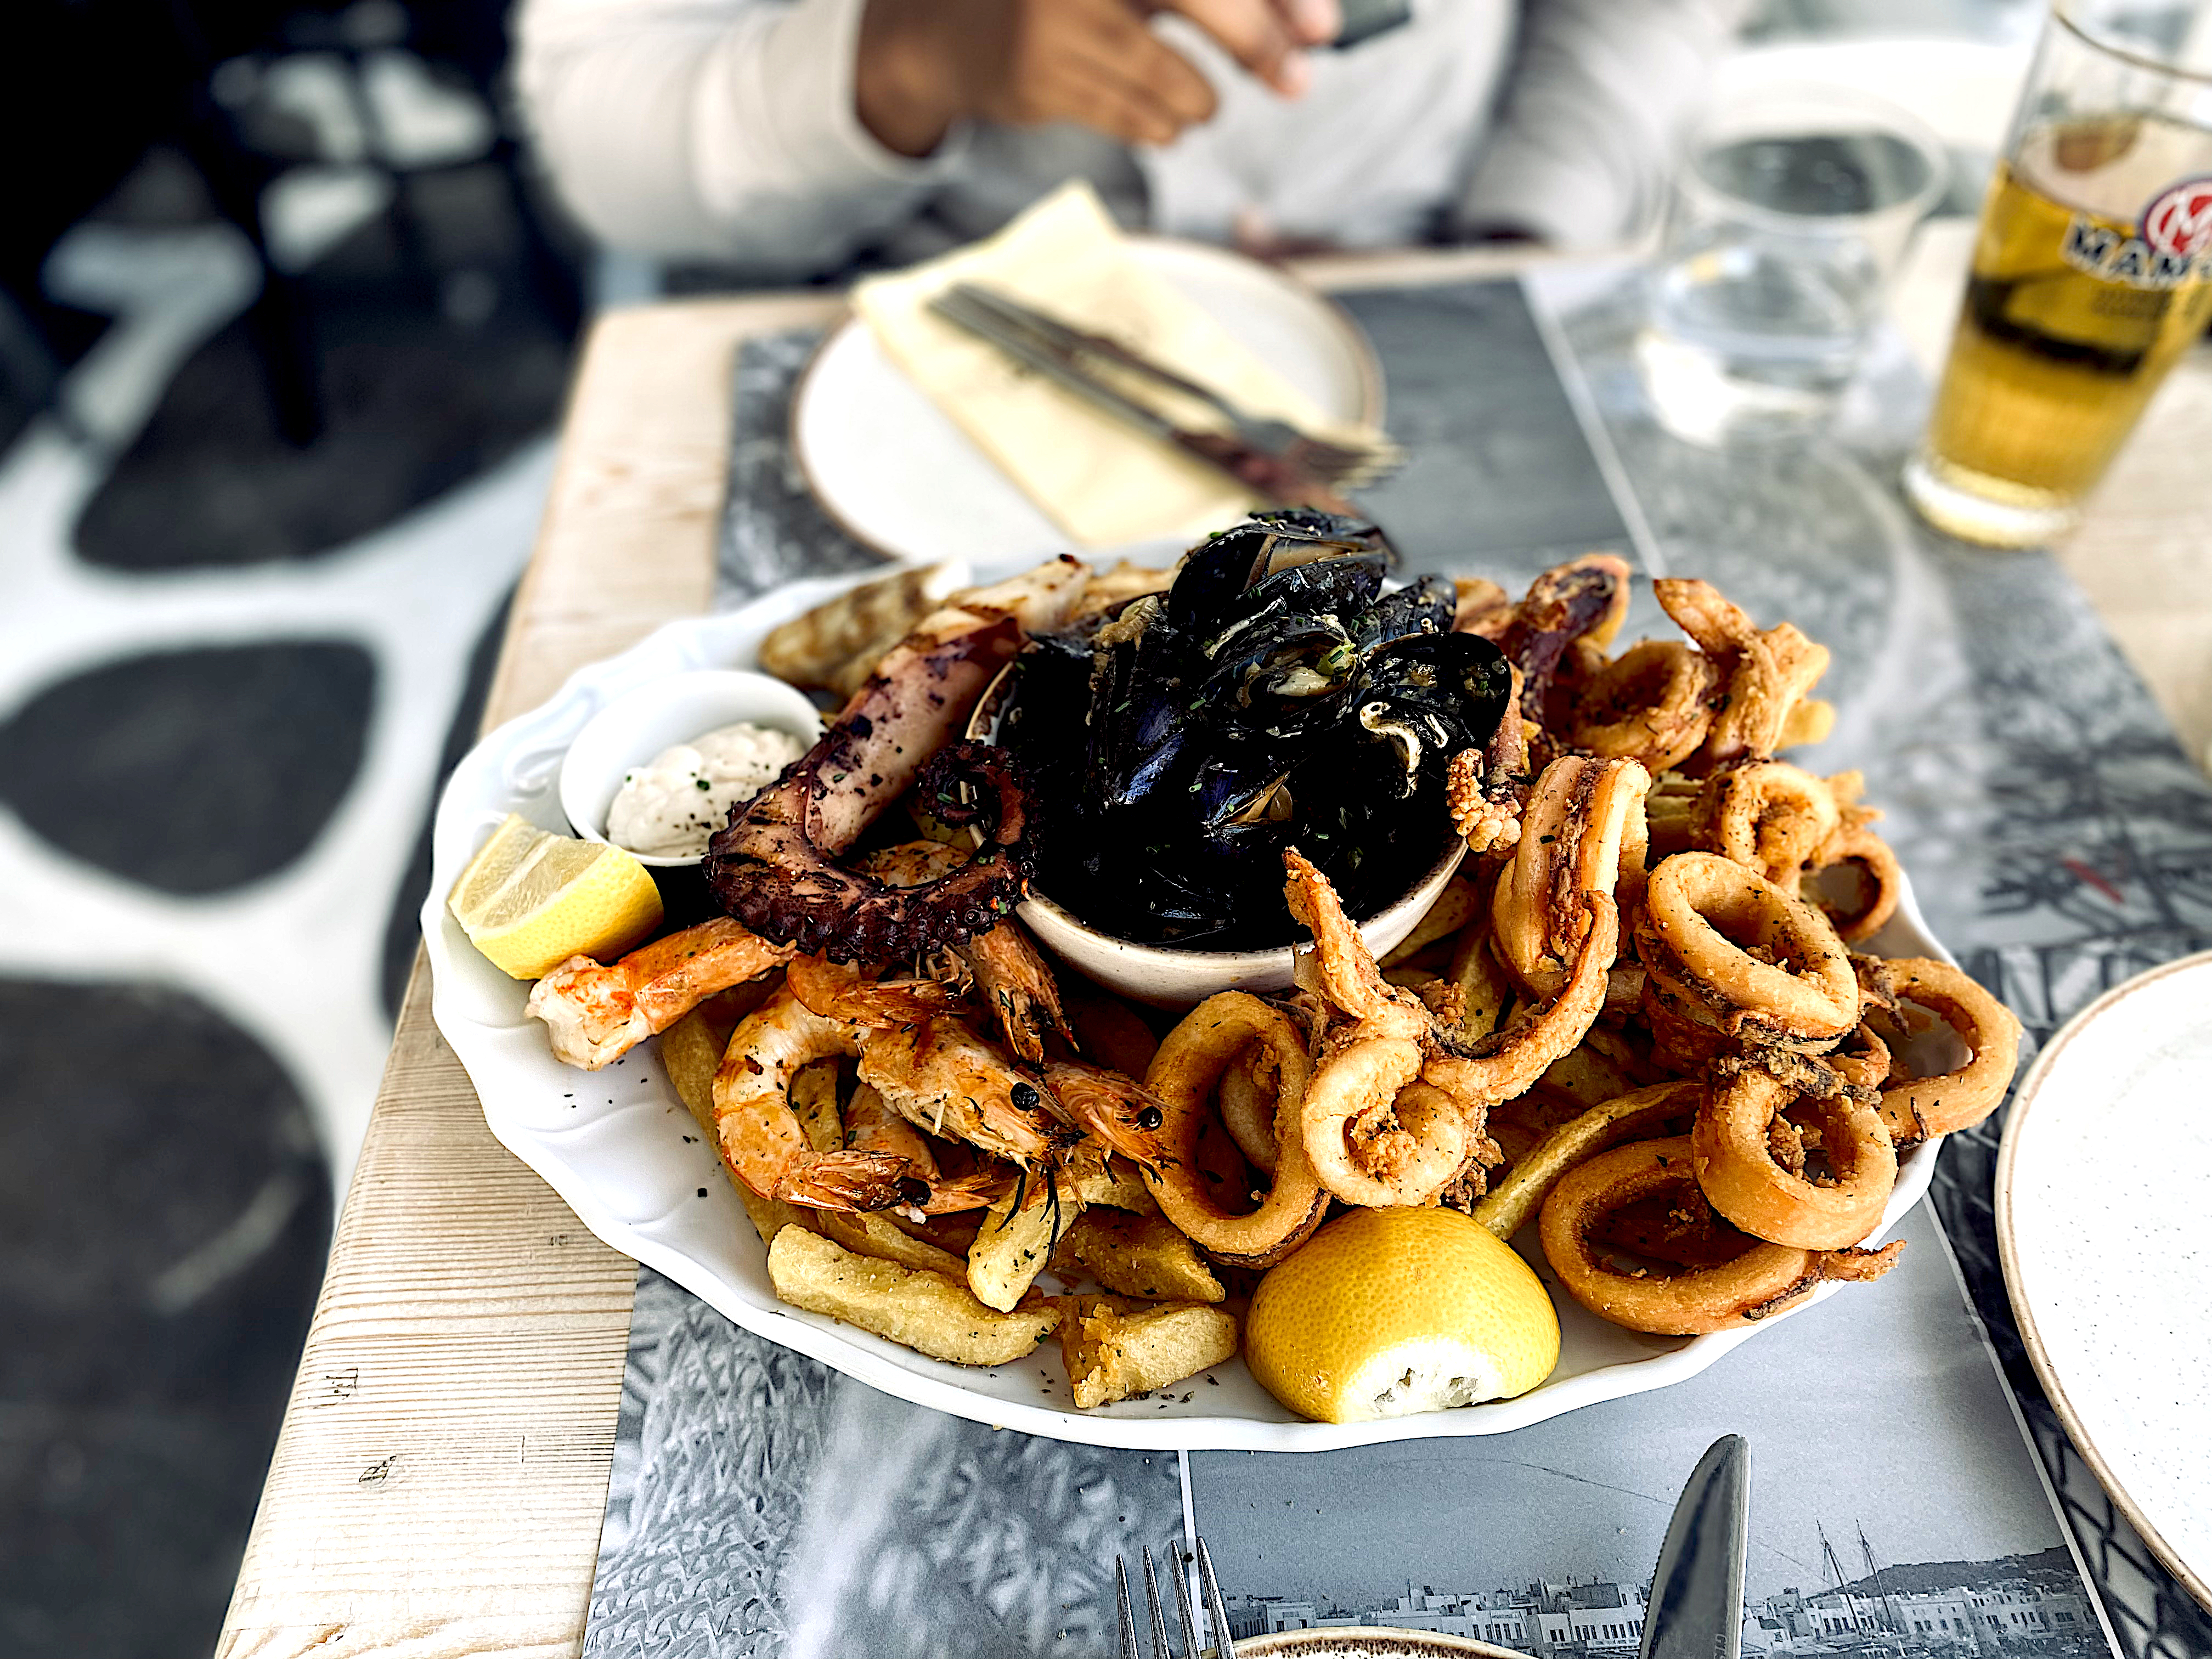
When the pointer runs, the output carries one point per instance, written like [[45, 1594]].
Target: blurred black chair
[[96, 82]]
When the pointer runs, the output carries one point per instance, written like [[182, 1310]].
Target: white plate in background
[[2106, 1237], [620, 1147], [896, 473]]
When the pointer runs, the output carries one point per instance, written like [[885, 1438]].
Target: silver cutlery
[[1696, 1610], [1277, 478], [1344, 466], [1217, 1614]]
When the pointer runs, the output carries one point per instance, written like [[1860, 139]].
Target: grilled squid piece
[[1184, 1075], [1750, 1159], [1653, 704], [1757, 1281], [1919, 1107], [774, 866], [596, 1013], [1584, 833], [1582, 600], [1764, 675], [1727, 952]]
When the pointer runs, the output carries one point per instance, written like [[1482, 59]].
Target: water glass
[[1791, 211]]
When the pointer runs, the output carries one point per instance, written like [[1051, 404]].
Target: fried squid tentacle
[[1766, 675], [778, 879]]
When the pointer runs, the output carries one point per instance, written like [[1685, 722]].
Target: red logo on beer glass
[[2179, 221]]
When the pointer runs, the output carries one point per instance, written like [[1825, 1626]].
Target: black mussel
[[1429, 696], [1273, 696], [1425, 605]]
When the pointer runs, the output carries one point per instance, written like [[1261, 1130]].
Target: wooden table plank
[[438, 1486]]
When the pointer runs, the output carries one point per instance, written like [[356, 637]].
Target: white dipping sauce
[[672, 807]]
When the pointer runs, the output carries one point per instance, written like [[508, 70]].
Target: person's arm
[[714, 129], [1590, 117]]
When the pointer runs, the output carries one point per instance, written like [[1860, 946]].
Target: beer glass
[[2092, 272]]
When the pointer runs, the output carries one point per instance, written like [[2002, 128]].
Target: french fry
[[1482, 981], [691, 1051], [1145, 1255], [1116, 1183], [1015, 1241], [1586, 1078], [1113, 1347], [1454, 908], [1520, 1192], [879, 1235], [922, 1310]]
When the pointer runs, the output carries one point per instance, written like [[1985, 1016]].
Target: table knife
[[1263, 474], [1696, 1610]]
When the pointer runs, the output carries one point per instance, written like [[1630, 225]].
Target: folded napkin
[[1104, 483]]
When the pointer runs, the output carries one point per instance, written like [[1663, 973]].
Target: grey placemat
[[2057, 837]]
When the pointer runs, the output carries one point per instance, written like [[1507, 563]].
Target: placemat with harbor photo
[[2059, 840]]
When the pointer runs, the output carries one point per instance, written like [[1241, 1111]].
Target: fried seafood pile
[[1634, 1019]]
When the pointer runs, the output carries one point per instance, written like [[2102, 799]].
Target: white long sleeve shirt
[[725, 130]]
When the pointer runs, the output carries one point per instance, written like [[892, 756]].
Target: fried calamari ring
[[1771, 816], [1652, 704], [1584, 833], [1184, 1074], [1375, 1134], [1522, 1192], [1765, 674], [1762, 1281], [1729, 949], [1960, 1098], [1878, 867], [1750, 1160]]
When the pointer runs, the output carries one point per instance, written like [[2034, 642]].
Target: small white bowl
[[638, 725], [1165, 977]]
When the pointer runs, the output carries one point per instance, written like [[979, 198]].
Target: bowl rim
[[758, 685]]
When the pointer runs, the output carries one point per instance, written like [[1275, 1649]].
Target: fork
[[1217, 1615], [1340, 465]]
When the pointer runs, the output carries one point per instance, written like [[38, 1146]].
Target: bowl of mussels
[[1283, 692]]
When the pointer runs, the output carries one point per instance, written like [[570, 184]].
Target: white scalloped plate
[[2106, 1153], [621, 1149]]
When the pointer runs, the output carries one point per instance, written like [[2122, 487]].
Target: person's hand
[[925, 65]]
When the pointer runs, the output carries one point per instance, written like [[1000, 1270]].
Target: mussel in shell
[[1275, 696]]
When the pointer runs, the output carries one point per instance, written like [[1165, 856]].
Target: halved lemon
[[530, 900], [1383, 1313]]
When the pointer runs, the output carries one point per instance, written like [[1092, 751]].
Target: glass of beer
[[2092, 272]]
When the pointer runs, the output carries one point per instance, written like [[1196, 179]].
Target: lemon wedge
[[530, 900], [1383, 1313]]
